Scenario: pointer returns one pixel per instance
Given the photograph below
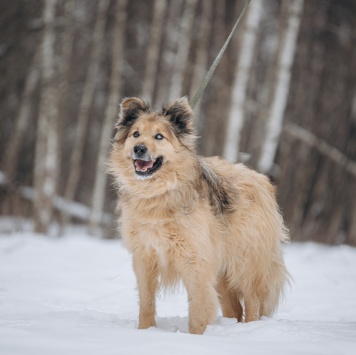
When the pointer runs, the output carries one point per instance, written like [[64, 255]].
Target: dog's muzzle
[[140, 152], [144, 163]]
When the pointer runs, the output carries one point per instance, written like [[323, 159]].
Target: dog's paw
[[146, 323]]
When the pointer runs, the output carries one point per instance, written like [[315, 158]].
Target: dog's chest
[[158, 235], [169, 229], [169, 238]]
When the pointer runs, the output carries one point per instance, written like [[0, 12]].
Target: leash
[[210, 73]]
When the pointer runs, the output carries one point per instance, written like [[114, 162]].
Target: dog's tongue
[[143, 165]]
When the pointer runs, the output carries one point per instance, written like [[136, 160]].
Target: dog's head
[[152, 144]]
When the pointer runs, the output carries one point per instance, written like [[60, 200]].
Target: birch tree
[[98, 197], [285, 63], [273, 22], [156, 32], [181, 59], [236, 116], [46, 150], [85, 103]]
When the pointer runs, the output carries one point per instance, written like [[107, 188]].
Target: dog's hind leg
[[252, 308], [146, 270], [230, 301]]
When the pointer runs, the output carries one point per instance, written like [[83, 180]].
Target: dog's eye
[[159, 136], [136, 134]]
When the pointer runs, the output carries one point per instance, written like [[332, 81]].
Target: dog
[[213, 225]]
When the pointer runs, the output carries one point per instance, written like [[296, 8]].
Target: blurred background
[[282, 100]]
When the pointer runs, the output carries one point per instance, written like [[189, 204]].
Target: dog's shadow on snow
[[171, 324], [180, 324]]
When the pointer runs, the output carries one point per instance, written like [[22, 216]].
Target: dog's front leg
[[146, 270], [203, 299]]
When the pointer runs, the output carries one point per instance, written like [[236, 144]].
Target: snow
[[77, 295]]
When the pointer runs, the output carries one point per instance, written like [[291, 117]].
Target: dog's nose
[[140, 150]]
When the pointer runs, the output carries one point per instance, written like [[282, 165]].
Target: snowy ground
[[76, 295]]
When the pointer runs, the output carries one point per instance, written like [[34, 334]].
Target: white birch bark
[[264, 90], [98, 197], [86, 101], [284, 67], [46, 150], [181, 59], [236, 116], [156, 32]]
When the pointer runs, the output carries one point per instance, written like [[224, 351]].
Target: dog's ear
[[130, 110], [180, 115]]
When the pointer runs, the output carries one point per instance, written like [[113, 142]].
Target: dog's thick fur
[[214, 225]]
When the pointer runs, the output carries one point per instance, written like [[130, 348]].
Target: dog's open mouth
[[146, 168]]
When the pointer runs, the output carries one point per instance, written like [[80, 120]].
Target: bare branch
[[323, 147]]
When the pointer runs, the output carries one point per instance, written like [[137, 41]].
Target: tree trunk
[[46, 159], [64, 87], [181, 59], [170, 44], [236, 116], [216, 88], [263, 74], [65, 60], [201, 61], [156, 33], [98, 196], [85, 104], [279, 103], [66, 55], [22, 119]]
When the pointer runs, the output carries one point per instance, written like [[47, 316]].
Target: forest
[[282, 101]]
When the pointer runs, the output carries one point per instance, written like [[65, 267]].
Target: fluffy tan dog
[[214, 225]]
